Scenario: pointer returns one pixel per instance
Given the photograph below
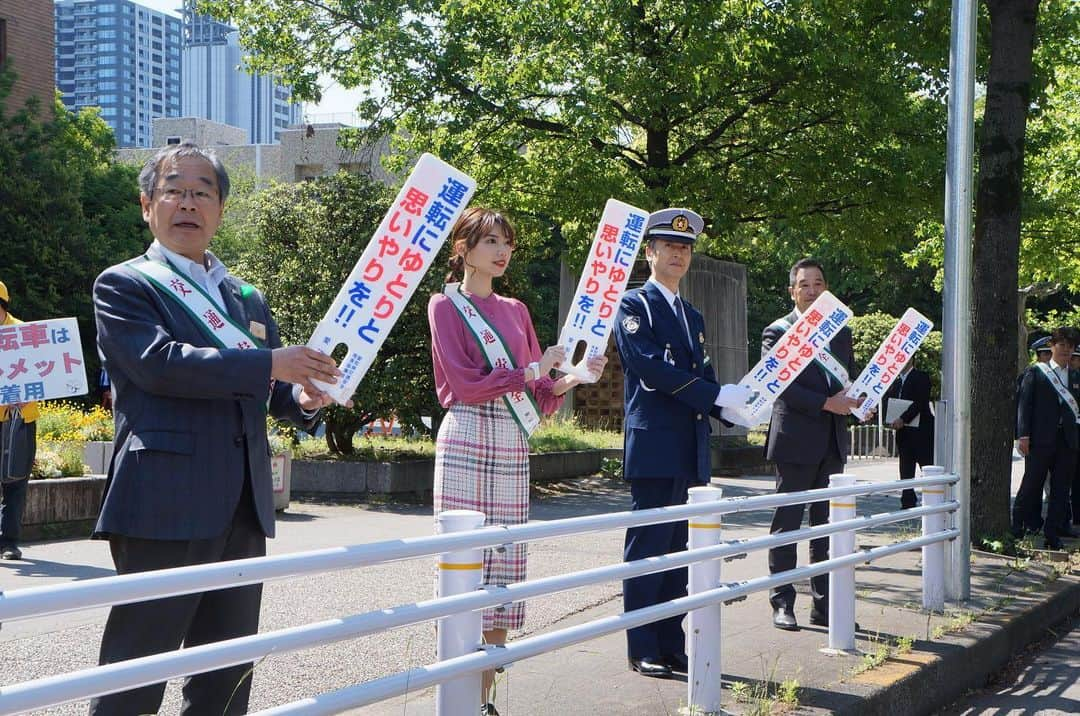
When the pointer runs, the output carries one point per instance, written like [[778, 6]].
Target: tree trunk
[[996, 261]]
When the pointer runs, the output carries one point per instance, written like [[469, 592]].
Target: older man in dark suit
[[196, 365], [914, 442], [670, 390], [808, 440], [1046, 426]]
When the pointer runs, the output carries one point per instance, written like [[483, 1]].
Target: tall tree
[[822, 118], [996, 259]]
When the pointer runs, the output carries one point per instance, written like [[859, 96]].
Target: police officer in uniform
[[670, 391]]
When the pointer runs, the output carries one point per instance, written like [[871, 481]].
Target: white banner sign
[[41, 360], [603, 281], [896, 350], [790, 356], [391, 268]]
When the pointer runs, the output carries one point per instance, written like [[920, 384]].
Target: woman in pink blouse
[[488, 365]]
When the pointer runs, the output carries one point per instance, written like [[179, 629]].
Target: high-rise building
[[121, 57], [218, 88], [26, 49]]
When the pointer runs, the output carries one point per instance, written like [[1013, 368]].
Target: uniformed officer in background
[[670, 391]]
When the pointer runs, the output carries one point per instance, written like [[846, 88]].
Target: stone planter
[[414, 479], [97, 455], [281, 476], [62, 507], [740, 460]]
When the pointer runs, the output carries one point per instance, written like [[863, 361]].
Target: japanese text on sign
[[391, 268], [889, 361], [791, 354], [603, 281], [41, 361]]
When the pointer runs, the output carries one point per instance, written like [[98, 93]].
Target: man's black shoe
[[11, 552], [677, 662], [489, 710], [651, 666], [784, 619]]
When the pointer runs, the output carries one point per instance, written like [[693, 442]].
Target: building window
[[3, 41], [172, 140]]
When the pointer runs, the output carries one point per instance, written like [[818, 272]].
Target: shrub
[[58, 459], [61, 421]]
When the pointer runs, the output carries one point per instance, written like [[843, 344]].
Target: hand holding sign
[[603, 281], [390, 270], [895, 351]]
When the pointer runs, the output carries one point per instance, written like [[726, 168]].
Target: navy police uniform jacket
[[669, 388]]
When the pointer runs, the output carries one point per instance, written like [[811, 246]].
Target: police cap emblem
[[630, 324], [680, 223]]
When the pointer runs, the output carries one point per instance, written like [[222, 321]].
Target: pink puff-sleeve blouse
[[461, 372]]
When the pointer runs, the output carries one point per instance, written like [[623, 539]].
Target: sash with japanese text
[[493, 346], [1063, 393]]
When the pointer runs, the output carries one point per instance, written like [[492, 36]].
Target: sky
[[335, 99]]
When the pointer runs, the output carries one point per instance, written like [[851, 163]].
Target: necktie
[[681, 317]]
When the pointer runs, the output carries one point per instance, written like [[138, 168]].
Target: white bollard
[[841, 581], [460, 634], [933, 555], [703, 625]]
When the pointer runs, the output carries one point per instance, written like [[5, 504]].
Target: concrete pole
[[841, 581], [703, 625], [933, 555], [956, 348], [459, 634]]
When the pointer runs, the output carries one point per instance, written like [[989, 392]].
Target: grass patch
[[561, 435], [762, 699], [882, 651]]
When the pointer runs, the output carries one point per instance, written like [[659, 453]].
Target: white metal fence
[[461, 657]]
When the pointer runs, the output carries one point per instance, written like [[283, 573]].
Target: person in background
[[1046, 426], [105, 385], [808, 441], [915, 443], [19, 450], [488, 389]]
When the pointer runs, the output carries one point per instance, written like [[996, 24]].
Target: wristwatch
[[535, 368]]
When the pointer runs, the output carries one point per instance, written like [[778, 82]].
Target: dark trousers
[[161, 625], [1059, 460], [909, 456], [11, 512], [795, 478], [1074, 506], [665, 637]]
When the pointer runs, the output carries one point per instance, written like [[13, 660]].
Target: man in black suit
[[808, 440], [915, 443], [1046, 423], [196, 365]]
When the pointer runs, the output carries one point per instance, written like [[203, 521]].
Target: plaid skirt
[[482, 463]]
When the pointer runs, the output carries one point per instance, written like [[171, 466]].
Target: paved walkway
[[592, 676]]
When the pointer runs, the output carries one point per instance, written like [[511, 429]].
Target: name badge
[[258, 330]]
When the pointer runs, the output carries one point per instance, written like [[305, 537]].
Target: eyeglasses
[[175, 195]]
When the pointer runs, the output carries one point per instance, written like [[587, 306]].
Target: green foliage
[[557, 435], [66, 212], [867, 333], [299, 244], [58, 459], [793, 128]]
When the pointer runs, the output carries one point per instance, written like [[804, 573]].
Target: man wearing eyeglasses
[[196, 365]]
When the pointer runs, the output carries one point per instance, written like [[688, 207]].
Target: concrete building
[[121, 57], [218, 88], [304, 152], [26, 47]]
